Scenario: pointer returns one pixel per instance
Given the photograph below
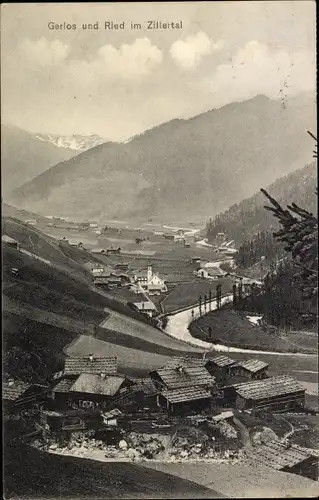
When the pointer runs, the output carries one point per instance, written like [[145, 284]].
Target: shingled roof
[[277, 455], [13, 389], [176, 361], [269, 387], [222, 361], [145, 385], [94, 384], [77, 365], [185, 376], [186, 394], [63, 385], [253, 365]]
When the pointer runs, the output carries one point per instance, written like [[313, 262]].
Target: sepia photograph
[[159, 250]]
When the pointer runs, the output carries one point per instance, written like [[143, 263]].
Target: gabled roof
[[269, 387], [94, 384], [77, 365], [145, 385], [277, 455], [222, 361], [12, 390], [189, 376], [253, 365], [146, 305], [63, 385], [176, 361], [186, 394]]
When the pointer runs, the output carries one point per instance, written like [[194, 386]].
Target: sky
[[120, 82]]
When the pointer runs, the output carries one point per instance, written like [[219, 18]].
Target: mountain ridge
[[199, 165]]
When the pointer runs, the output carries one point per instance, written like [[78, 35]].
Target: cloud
[[130, 61], [258, 68], [44, 53], [189, 53]]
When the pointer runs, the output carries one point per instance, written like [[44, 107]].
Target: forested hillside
[[244, 220]]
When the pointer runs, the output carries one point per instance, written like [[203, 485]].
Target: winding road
[[178, 323]]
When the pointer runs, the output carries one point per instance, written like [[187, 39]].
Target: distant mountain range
[[23, 157], [196, 167], [74, 142], [244, 220]]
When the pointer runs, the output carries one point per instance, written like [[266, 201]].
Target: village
[[199, 408], [189, 409]]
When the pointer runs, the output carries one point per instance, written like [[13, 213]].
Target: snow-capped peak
[[75, 142]]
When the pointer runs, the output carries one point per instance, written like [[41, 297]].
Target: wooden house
[[221, 367], [17, 395], [183, 387], [252, 369], [184, 399], [89, 382], [145, 307], [122, 266], [274, 393], [285, 457], [169, 237]]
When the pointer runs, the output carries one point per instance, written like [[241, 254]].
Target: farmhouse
[[195, 260], [10, 242], [145, 391], [185, 399], [17, 395], [89, 382], [252, 368], [213, 273], [168, 236], [221, 367], [284, 457], [89, 364], [108, 280], [145, 307], [275, 393], [186, 361], [122, 266], [182, 376]]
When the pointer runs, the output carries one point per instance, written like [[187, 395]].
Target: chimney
[[91, 358]]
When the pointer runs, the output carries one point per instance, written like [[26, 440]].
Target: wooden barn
[[221, 367], [89, 382], [185, 399], [184, 387], [275, 393], [285, 457], [252, 368], [17, 395]]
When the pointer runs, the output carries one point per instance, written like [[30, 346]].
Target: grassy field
[[30, 473], [242, 481], [232, 328], [187, 294], [54, 302]]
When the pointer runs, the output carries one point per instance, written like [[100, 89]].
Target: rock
[[184, 454], [53, 446], [123, 444]]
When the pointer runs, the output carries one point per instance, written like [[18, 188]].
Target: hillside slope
[[197, 166], [243, 220], [23, 157]]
